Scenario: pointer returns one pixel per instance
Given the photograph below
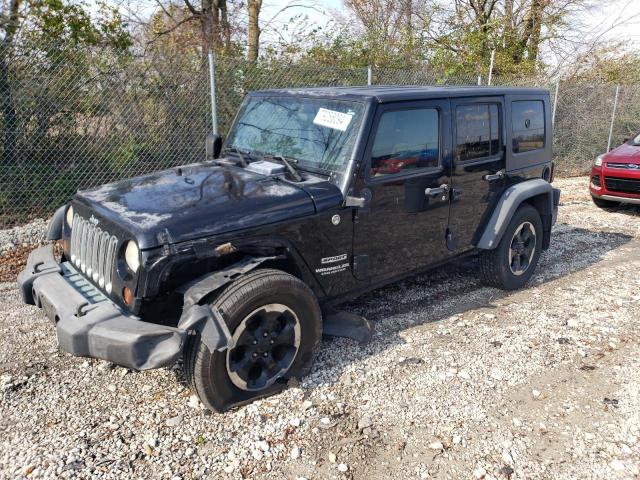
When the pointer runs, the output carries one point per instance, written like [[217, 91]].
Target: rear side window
[[527, 123], [406, 140], [477, 131]]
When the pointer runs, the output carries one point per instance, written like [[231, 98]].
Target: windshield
[[317, 133]]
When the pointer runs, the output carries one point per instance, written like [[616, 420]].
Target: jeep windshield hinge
[[355, 201]]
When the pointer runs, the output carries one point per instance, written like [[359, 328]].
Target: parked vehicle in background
[[615, 176], [317, 196]]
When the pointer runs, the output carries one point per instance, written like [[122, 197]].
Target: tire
[[499, 267], [602, 203], [260, 301]]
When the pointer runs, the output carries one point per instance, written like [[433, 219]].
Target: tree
[[388, 32], [55, 32], [9, 23], [610, 63], [212, 17], [253, 29], [461, 39]]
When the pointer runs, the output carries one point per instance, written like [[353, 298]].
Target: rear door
[[404, 225], [478, 156]]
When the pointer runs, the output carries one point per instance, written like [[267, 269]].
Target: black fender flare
[[54, 230], [544, 199], [203, 318]]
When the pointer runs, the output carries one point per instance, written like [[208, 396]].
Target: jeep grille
[[93, 251]]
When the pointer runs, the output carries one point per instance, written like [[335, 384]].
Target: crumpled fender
[[205, 319]]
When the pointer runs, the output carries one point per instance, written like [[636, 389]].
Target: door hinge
[[452, 241], [361, 266]]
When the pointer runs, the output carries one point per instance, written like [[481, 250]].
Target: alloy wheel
[[522, 248], [265, 344]]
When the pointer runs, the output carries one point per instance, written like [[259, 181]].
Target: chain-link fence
[[79, 118]]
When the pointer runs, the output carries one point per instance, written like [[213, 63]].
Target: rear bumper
[[90, 325]]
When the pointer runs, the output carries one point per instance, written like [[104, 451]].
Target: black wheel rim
[[522, 248], [265, 344]]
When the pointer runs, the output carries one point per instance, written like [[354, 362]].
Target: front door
[[403, 177], [479, 158]]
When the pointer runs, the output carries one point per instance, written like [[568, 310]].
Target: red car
[[615, 176]]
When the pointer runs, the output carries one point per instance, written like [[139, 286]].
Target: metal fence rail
[[80, 119]]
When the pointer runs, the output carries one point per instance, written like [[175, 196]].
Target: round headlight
[[132, 256], [69, 216]]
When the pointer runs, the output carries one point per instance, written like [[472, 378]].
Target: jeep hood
[[203, 199]]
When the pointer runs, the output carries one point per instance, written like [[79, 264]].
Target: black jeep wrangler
[[316, 196]]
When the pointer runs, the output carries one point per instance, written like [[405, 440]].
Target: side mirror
[[213, 146]]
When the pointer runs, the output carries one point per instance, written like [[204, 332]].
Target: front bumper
[[599, 186], [618, 198], [90, 325]]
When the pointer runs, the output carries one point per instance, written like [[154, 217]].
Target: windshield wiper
[[239, 153], [287, 163]]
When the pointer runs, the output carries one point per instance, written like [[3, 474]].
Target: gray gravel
[[459, 381], [32, 233]]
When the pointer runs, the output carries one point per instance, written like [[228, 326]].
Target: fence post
[[369, 74], [555, 103], [479, 80], [493, 52], [613, 116], [212, 93]]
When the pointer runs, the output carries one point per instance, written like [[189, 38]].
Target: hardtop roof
[[394, 93]]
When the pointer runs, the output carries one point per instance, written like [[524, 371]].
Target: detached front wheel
[[512, 263], [276, 325]]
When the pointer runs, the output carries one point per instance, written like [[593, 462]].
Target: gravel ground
[[460, 381], [15, 245]]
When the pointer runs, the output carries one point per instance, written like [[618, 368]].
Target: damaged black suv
[[315, 196]]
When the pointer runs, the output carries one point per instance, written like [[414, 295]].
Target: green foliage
[[467, 50], [54, 26], [610, 63], [125, 156]]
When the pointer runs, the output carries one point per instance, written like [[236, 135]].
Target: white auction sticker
[[332, 119]]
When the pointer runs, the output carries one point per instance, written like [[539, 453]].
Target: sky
[[624, 13]]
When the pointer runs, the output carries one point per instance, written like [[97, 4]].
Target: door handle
[[490, 177], [434, 192]]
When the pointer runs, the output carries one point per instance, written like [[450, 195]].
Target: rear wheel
[[276, 325], [602, 203], [512, 263]]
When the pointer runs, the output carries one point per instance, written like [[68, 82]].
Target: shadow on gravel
[[627, 209], [453, 289]]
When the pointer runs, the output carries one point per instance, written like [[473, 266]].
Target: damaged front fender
[[208, 322], [206, 319]]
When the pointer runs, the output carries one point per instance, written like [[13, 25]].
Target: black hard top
[[395, 93]]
